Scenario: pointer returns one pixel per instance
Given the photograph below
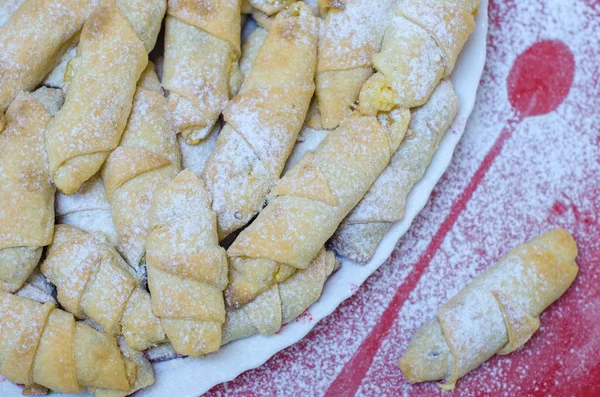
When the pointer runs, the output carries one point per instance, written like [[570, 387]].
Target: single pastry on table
[[202, 48], [93, 281], [26, 193], [384, 204], [33, 41], [42, 347], [147, 157], [497, 313], [309, 202], [102, 79], [351, 34], [187, 269], [263, 120], [422, 41]]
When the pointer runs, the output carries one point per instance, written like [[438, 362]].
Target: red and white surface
[[529, 161]]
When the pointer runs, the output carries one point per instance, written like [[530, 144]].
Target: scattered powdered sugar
[[544, 177]]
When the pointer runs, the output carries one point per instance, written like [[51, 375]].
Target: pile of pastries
[[144, 205]]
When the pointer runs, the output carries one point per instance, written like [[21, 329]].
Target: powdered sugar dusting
[[32, 41], [513, 203], [7, 8], [87, 209], [352, 34], [263, 121]]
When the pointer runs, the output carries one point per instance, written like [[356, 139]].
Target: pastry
[[426, 33], [282, 302], [26, 58], [496, 313], [309, 202], [112, 54], [202, 46], [43, 345], [195, 157], [263, 120], [26, 193], [94, 282], [147, 158], [352, 33], [187, 269], [383, 205]]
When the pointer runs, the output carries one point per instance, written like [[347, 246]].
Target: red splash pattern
[[508, 181]]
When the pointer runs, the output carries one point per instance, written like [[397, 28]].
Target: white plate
[[191, 377]]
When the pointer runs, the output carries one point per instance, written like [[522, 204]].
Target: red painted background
[[529, 161]]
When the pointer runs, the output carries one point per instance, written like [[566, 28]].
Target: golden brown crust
[[187, 270], [25, 59], [362, 230], [496, 313], [44, 345], [111, 58], [202, 46], [281, 303], [83, 267], [429, 33]]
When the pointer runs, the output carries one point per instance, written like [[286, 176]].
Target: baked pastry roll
[[26, 59], [112, 54], [351, 34], [26, 193], [384, 204], [147, 158], [187, 269], [43, 345], [263, 120], [202, 46], [421, 43], [195, 157], [88, 209], [496, 313], [282, 302], [93, 281], [309, 203]]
